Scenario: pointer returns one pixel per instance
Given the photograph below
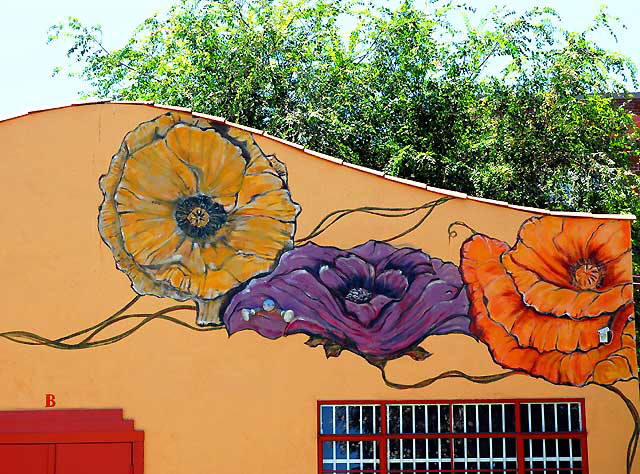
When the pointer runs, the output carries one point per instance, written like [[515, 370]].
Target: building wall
[[206, 401]]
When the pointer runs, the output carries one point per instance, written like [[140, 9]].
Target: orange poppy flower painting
[[193, 209], [558, 304]]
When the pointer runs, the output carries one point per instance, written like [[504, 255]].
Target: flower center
[[200, 216], [587, 275], [359, 295]]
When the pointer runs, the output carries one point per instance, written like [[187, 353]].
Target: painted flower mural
[[376, 300], [195, 210], [558, 305], [192, 209]]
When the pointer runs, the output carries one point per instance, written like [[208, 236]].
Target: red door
[[24, 458], [90, 458], [69, 442]]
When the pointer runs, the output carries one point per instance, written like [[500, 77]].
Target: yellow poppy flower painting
[[193, 209]]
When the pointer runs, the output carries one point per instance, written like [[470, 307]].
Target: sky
[[27, 61]]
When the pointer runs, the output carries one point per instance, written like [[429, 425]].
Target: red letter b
[[50, 400]]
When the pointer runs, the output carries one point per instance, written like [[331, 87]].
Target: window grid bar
[[569, 415], [491, 418], [464, 418], [570, 448], [346, 419], [504, 417], [333, 422], [451, 445]]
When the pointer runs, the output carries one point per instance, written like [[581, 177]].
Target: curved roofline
[[255, 131]]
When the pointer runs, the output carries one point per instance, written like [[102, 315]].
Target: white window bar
[[490, 446], [376, 458], [569, 415], [388, 408], [347, 428], [464, 419], [570, 448], [333, 420], [579, 417], [426, 419], [491, 407], [413, 421], [504, 445], [415, 453], [557, 454], [465, 444]]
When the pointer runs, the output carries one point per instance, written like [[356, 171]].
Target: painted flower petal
[[195, 147], [260, 236], [156, 173], [392, 283], [368, 312], [333, 279], [373, 251], [129, 202], [275, 204], [145, 236], [356, 270]]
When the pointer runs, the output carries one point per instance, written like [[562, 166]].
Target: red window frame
[[519, 435]]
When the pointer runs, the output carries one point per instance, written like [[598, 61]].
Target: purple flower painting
[[376, 300]]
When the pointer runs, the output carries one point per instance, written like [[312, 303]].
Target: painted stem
[[209, 312], [90, 333], [446, 375], [453, 233], [333, 217]]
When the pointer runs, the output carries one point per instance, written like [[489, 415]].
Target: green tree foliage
[[511, 106]]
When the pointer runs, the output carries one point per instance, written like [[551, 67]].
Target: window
[[487, 436]]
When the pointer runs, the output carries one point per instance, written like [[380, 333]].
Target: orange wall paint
[[209, 403]]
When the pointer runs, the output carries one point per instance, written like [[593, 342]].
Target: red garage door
[[69, 442]]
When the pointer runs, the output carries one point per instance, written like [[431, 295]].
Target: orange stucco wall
[[207, 402]]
